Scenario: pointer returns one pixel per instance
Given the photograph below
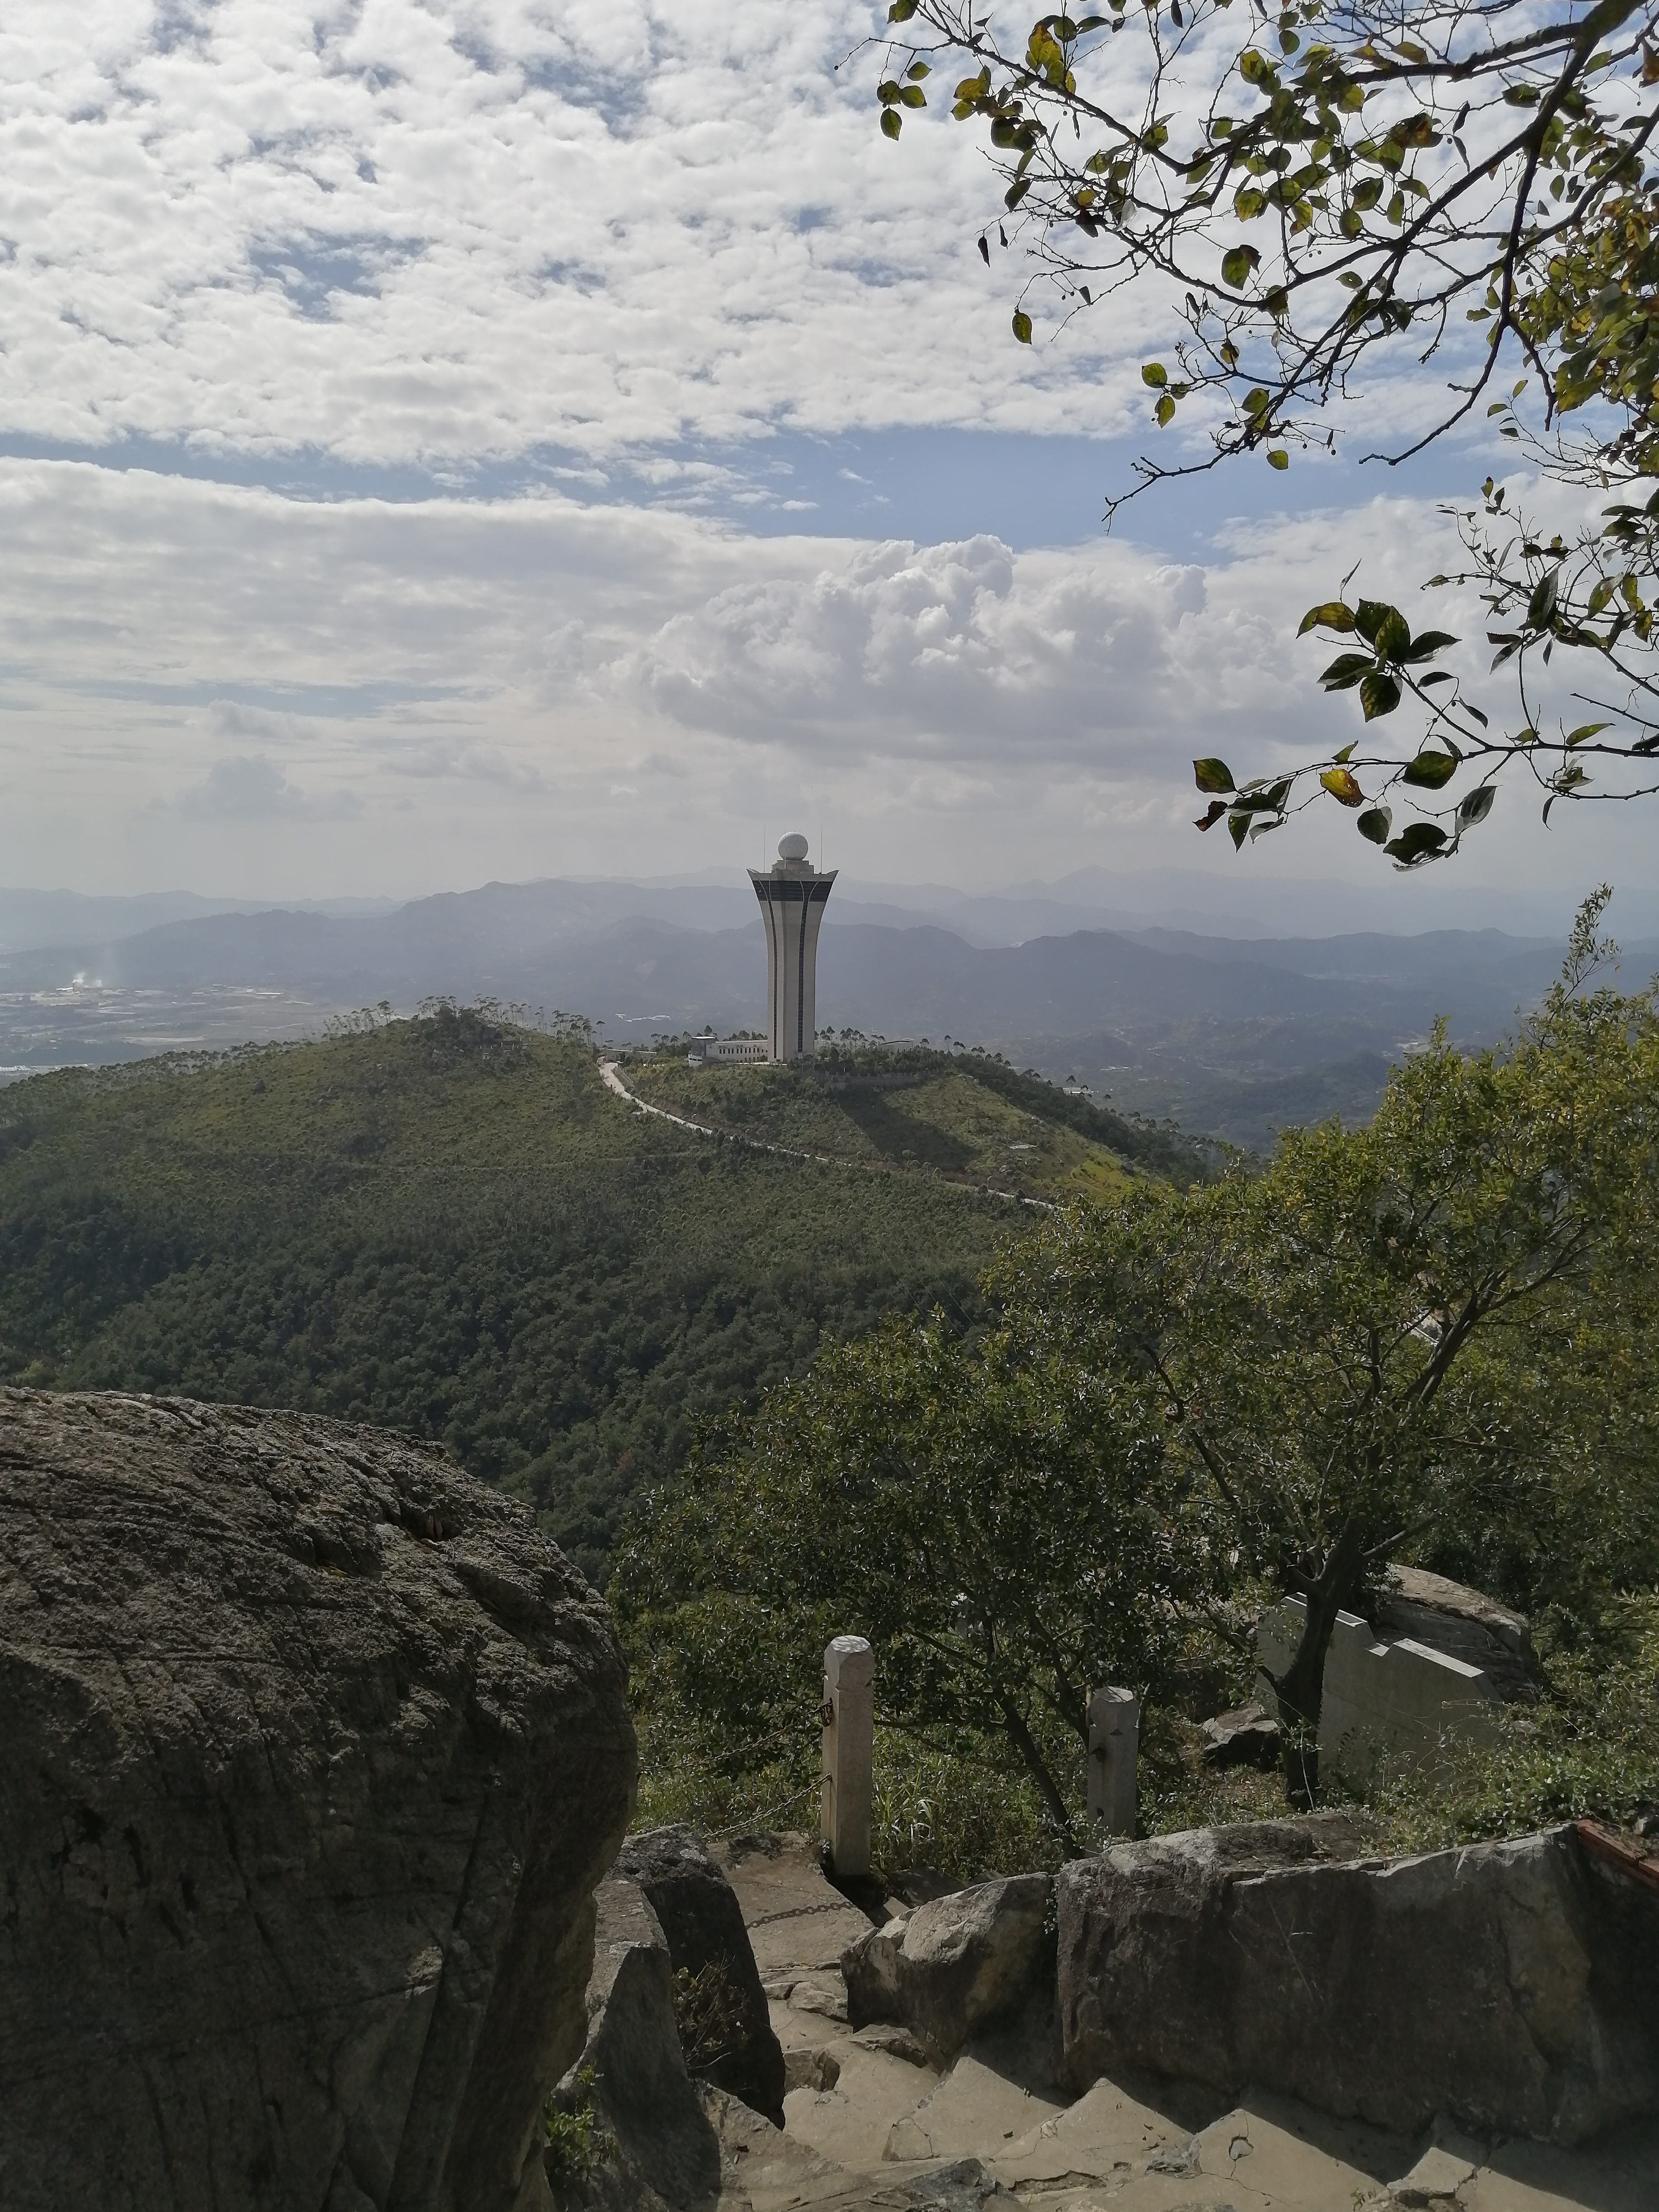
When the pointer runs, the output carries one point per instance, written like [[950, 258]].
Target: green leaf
[[1345, 670], [1213, 775], [1238, 264], [1540, 607], [1278, 458], [917, 70], [888, 92], [1425, 645], [1238, 828], [891, 122], [902, 10], [1379, 695], [1383, 627], [1422, 840], [1254, 68], [1475, 806], [1249, 203], [913, 95], [1430, 770], [1154, 373], [1586, 730], [1330, 614], [1347, 754], [1022, 326], [1375, 824], [1165, 411]]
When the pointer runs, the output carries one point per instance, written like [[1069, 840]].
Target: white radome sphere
[[792, 848]]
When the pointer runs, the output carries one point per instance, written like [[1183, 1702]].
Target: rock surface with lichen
[[315, 1751]]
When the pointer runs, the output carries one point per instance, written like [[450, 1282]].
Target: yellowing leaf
[[1343, 786]]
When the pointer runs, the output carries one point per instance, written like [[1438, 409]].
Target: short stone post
[[1114, 1742], [849, 1676]]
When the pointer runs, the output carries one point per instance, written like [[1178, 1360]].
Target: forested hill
[[449, 1226]]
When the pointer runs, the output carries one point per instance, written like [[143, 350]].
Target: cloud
[[236, 723], [397, 233], [555, 688], [471, 763], [963, 653], [250, 788]]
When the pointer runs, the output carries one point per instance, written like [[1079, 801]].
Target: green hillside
[[965, 1116], [451, 1226]]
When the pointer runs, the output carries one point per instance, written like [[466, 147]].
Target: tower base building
[[793, 895]]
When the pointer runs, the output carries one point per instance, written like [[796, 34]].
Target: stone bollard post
[[1114, 1741], [849, 1675]]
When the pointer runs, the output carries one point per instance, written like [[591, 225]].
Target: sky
[[441, 444]]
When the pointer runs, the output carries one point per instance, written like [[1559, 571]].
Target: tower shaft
[[792, 901]]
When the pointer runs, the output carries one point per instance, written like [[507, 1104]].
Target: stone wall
[[1437, 1659], [1509, 1983]]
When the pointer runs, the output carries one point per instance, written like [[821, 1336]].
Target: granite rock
[[1507, 1984], [315, 1750], [956, 1966], [632, 2070], [702, 1922], [1246, 1737]]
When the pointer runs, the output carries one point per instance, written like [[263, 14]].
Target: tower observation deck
[[792, 895]]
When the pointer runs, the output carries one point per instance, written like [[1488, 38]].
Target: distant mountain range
[[1219, 1030]]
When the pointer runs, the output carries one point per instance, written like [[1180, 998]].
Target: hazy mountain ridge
[[1233, 1036]]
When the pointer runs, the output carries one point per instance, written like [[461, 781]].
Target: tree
[[1313, 1331], [990, 1516], [1390, 1341], [1456, 180]]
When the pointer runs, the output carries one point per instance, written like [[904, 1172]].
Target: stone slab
[[797, 1920], [972, 2112]]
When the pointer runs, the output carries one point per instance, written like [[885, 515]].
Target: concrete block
[[1383, 1697]]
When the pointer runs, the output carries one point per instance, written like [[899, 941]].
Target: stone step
[[870, 2129]]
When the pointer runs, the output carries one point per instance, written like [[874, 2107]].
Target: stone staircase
[[870, 2123]]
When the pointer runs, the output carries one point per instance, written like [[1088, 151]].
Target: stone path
[[870, 2127]]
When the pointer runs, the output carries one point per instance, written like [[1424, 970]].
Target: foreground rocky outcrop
[[315, 1752], [657, 2146], [1510, 1984], [700, 1920]]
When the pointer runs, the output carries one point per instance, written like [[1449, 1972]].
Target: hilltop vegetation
[[449, 1227], [969, 1117]]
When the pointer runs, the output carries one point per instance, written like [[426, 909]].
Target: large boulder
[[702, 1922], [314, 1752], [655, 2143], [1509, 1985], [956, 1966]]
